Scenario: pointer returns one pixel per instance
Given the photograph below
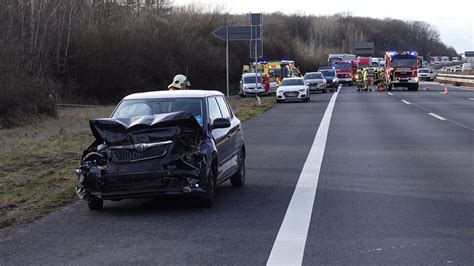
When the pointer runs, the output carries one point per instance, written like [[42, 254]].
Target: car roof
[[173, 94], [250, 74], [292, 78], [314, 73]]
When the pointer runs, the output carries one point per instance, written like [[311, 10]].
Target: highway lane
[[239, 229], [457, 106], [396, 186]]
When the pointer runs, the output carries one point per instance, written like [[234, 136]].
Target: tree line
[[100, 50]]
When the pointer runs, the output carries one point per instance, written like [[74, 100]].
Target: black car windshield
[[313, 76], [404, 62], [343, 67], [328, 73], [133, 108], [250, 80], [292, 82]]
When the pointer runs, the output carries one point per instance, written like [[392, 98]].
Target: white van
[[251, 84]]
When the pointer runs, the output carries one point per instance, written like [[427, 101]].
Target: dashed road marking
[[288, 248], [437, 116], [405, 102], [472, 99], [389, 93]]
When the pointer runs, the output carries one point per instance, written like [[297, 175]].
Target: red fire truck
[[346, 71], [402, 69]]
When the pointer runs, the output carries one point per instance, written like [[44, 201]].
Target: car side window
[[214, 111], [223, 106]]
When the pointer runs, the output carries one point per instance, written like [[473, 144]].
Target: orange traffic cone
[[445, 91]]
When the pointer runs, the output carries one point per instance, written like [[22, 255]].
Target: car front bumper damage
[[172, 159]]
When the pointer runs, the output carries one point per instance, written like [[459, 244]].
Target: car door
[[221, 138], [234, 135]]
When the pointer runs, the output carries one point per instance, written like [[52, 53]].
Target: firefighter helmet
[[179, 82]]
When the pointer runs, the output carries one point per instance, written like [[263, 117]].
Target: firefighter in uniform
[[360, 79], [365, 76], [180, 82], [382, 79]]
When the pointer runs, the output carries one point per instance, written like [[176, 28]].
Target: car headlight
[[334, 79], [301, 90]]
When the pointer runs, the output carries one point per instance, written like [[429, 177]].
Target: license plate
[[291, 94]]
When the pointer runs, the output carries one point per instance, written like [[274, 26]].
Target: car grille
[[403, 73], [291, 94], [128, 155], [139, 183]]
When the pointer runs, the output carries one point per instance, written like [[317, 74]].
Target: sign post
[[227, 60]]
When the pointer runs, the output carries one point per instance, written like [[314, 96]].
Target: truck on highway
[[363, 62], [402, 69], [333, 58], [346, 71]]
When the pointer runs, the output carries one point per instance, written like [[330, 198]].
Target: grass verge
[[37, 161]]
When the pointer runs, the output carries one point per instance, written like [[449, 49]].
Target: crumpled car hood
[[147, 129]]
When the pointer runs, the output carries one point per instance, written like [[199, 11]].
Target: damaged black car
[[163, 143]]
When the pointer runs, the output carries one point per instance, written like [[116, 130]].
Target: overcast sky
[[454, 20]]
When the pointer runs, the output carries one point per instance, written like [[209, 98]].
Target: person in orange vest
[[180, 82]]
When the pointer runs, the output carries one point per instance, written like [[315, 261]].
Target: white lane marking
[[405, 102], [437, 116], [389, 93], [472, 99], [442, 92], [288, 248]]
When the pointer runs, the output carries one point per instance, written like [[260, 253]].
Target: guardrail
[[461, 78]]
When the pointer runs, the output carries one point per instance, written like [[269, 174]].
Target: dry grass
[[246, 108], [37, 161]]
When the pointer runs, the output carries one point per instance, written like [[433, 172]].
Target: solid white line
[[390, 93], [290, 242], [405, 102], [437, 116]]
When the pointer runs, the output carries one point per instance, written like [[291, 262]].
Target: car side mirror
[[220, 123]]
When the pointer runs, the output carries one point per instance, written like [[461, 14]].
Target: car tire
[[95, 204], [279, 101], [208, 197], [238, 179]]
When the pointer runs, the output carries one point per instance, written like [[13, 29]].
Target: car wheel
[[279, 101], [95, 204], [208, 197], [238, 179]]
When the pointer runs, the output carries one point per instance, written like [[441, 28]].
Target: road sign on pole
[[252, 33], [366, 48], [237, 33]]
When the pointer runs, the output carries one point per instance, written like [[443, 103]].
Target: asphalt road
[[396, 186]]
